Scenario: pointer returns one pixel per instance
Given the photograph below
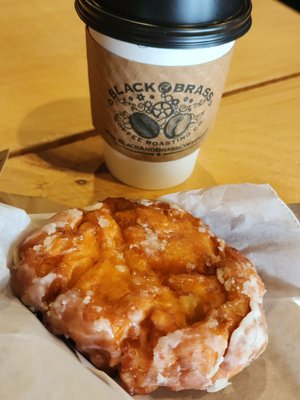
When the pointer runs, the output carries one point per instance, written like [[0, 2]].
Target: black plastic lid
[[168, 23]]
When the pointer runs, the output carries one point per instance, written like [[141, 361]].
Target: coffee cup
[[157, 70]]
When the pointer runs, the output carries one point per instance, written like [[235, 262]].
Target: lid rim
[[172, 36]]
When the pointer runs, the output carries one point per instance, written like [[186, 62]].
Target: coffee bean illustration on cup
[[144, 126], [165, 114], [177, 125], [156, 75], [161, 115]]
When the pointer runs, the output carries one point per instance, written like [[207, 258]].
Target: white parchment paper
[[36, 365]]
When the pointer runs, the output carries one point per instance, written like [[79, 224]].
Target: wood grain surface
[[251, 142], [44, 94], [45, 112]]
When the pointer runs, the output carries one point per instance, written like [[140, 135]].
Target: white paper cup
[[147, 174], [150, 173], [157, 72]]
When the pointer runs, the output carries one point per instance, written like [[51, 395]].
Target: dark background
[[292, 3]]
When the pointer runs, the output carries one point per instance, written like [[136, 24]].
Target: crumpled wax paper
[[36, 365]]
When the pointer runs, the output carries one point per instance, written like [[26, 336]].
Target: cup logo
[[169, 111], [152, 112]]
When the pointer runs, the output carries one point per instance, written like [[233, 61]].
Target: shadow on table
[[86, 157], [52, 132], [83, 156], [58, 121], [57, 133]]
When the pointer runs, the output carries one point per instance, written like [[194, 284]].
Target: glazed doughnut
[[145, 288]]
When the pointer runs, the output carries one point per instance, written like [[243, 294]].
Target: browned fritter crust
[[145, 287]]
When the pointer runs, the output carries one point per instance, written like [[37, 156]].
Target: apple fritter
[[145, 287]]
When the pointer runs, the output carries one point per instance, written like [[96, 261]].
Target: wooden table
[[45, 116]]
